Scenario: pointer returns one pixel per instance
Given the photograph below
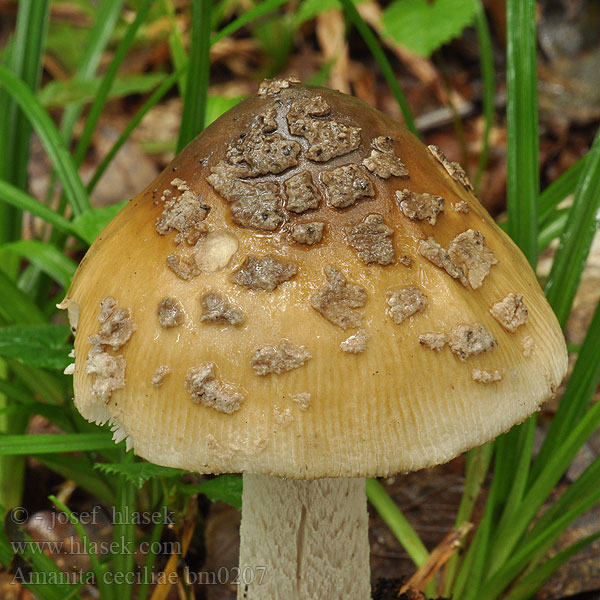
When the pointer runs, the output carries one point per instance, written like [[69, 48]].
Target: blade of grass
[[486, 64], [124, 531], [107, 15], [577, 491], [152, 101], [513, 565], [477, 467], [51, 388], [575, 401], [25, 62], [16, 307], [50, 138], [396, 521], [197, 79], [80, 470], [553, 228], [51, 443], [514, 467], [507, 539], [576, 240], [107, 81], [466, 584], [30, 566], [176, 48], [21, 401], [15, 197], [247, 17], [98, 568], [526, 588], [522, 126], [144, 588], [47, 258], [381, 59], [260, 10], [559, 189]]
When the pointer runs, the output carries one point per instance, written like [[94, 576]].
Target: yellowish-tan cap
[[309, 291]]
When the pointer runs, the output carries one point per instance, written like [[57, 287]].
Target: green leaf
[[226, 488], [423, 26], [50, 138], [51, 443], [47, 258], [37, 345], [89, 224], [218, 105], [138, 473]]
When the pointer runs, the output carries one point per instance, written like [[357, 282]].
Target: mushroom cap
[[253, 375]]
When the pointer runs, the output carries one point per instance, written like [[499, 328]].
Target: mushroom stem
[[308, 539]]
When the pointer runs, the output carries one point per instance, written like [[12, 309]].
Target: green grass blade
[[99, 569], [16, 307], [47, 258], [12, 195], [511, 469], [152, 101], [107, 81], [144, 588], [553, 227], [559, 189], [124, 531], [576, 399], [50, 138], [575, 243], [486, 64], [396, 521], [25, 63], [51, 443], [89, 224], [260, 10], [522, 126], [515, 562], [176, 47], [468, 578], [381, 59], [107, 15], [532, 582], [506, 539], [30, 566], [478, 463], [577, 491], [198, 74]]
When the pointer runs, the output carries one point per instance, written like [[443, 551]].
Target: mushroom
[[258, 379]]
